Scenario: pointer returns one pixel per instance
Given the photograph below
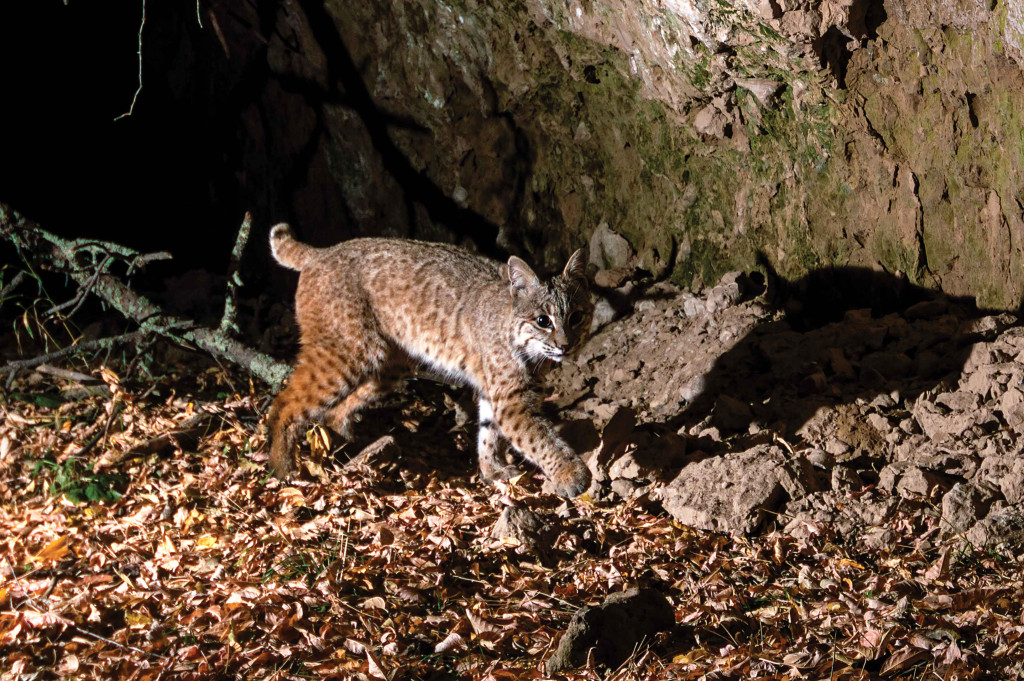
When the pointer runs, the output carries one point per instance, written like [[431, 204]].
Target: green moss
[[894, 257], [705, 259], [769, 33], [643, 160], [700, 75], [784, 135]]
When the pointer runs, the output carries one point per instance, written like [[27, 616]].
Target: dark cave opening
[[158, 179]]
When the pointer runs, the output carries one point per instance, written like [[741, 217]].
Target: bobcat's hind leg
[[294, 407], [322, 380], [492, 447], [396, 367], [339, 418]]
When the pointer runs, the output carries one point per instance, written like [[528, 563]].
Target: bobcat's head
[[549, 321]]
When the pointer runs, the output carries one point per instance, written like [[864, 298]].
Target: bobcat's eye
[[543, 321], [575, 318]]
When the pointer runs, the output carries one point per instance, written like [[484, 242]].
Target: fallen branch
[[63, 254], [185, 437], [78, 377], [16, 365]]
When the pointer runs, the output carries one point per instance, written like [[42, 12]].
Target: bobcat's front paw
[[571, 479], [495, 470]]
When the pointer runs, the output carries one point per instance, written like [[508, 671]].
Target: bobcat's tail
[[288, 250]]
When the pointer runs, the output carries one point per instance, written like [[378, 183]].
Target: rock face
[[611, 631], [862, 132]]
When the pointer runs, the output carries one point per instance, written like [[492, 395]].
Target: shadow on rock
[[842, 335], [609, 633]]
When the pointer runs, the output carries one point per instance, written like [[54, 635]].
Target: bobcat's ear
[[576, 268], [520, 276]]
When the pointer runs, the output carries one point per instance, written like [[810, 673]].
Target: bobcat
[[370, 307]]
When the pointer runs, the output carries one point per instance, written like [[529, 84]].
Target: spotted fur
[[371, 308]]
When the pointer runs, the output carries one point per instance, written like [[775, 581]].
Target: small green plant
[[40, 399], [308, 563], [72, 479]]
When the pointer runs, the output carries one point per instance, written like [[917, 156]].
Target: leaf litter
[[188, 561]]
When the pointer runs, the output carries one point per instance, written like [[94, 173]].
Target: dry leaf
[[904, 659], [375, 669], [206, 541], [42, 620], [354, 647], [479, 624], [452, 643], [940, 568], [203, 568], [291, 496], [69, 664], [374, 603], [54, 551]]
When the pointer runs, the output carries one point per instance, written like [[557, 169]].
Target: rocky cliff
[[850, 132]]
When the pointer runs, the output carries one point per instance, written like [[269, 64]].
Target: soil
[[804, 407]]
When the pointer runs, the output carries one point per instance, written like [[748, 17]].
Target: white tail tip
[[279, 231]]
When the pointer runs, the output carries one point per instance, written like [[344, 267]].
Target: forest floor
[[838, 499]]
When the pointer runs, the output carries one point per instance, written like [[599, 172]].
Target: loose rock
[[612, 631], [998, 530], [963, 505], [609, 250], [917, 402], [734, 493], [521, 525]]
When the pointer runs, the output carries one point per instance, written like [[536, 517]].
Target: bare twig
[[135, 98], [122, 646], [60, 307], [67, 375], [88, 385], [228, 323], [11, 285]]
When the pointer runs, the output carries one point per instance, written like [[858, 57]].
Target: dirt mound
[[735, 413]]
